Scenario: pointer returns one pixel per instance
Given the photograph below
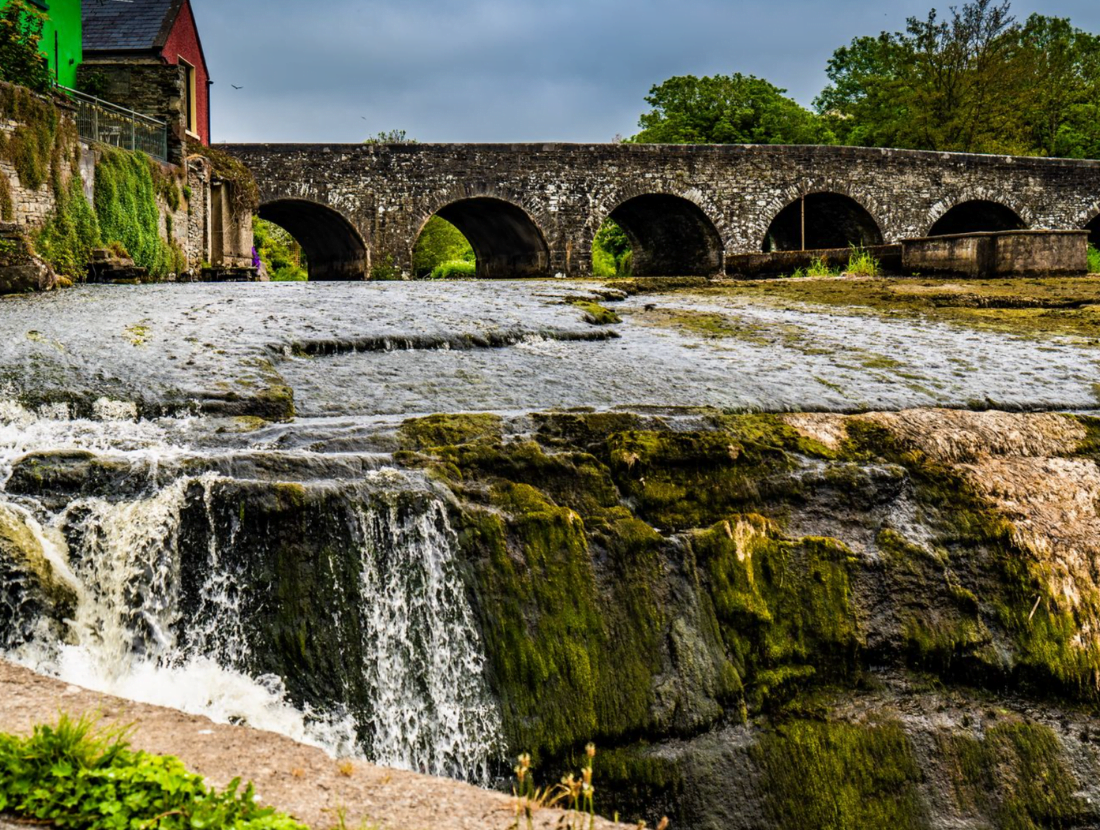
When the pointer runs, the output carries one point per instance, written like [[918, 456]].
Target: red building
[[124, 40]]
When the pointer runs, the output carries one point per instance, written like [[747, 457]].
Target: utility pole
[[803, 223]]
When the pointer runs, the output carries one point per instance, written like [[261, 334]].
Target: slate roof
[[128, 25]]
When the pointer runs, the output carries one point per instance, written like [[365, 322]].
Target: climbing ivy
[[126, 189]]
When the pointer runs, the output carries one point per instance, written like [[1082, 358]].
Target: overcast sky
[[513, 70]]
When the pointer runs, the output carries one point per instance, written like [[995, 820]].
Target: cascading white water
[[118, 564], [437, 719]]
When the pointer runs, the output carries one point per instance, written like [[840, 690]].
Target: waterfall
[[437, 719], [103, 600]]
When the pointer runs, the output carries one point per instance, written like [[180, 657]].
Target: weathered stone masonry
[[535, 208]]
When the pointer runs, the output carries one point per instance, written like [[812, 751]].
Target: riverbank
[[302, 781]]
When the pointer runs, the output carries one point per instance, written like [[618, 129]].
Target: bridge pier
[[533, 210]]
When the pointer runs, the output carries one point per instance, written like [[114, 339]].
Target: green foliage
[[977, 81], [1013, 776], [70, 776], [69, 235], [126, 189], [612, 255], [386, 270], [440, 243], [839, 776], [454, 270], [727, 109], [818, 267], [1094, 260], [7, 205], [37, 140], [862, 264], [390, 137], [280, 253], [21, 62]]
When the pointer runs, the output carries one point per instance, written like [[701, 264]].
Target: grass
[[818, 267], [72, 776], [862, 264]]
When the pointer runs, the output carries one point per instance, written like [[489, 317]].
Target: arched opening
[[1093, 228], [333, 248], [822, 220], [977, 216], [506, 242], [442, 252], [659, 235]]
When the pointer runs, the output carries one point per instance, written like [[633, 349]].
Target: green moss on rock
[[1012, 776], [784, 606], [841, 776]]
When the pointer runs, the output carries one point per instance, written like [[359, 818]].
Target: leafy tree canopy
[[976, 81], [727, 109]]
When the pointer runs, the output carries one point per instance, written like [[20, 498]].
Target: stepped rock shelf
[[312, 508]]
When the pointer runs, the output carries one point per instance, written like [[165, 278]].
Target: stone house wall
[[154, 89]]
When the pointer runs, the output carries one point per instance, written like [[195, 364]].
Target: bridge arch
[[976, 211], [669, 234], [822, 219], [1092, 225], [507, 241], [334, 248]]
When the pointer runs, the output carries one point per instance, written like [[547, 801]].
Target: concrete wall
[[1005, 254], [566, 191]]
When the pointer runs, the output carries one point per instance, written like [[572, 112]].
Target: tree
[[20, 33], [727, 109], [975, 81]]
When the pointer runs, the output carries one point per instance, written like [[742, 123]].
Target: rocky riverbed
[[792, 553]]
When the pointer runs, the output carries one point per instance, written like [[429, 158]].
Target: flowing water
[[287, 575], [95, 591]]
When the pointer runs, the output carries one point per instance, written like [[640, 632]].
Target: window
[[190, 99]]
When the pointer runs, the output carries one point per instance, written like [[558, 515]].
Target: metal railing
[[108, 123]]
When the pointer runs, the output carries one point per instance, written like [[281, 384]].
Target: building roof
[[128, 25]]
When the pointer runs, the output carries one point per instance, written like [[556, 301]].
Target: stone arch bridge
[[533, 209]]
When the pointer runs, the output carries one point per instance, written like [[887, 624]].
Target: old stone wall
[[710, 196], [188, 220]]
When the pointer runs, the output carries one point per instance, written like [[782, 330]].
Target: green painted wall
[[62, 38]]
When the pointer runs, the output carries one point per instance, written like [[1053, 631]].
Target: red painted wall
[[183, 42]]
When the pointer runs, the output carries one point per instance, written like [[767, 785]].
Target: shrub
[[21, 62], [69, 776], [1094, 260], [457, 269], [440, 242]]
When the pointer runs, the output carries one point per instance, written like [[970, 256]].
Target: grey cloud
[[512, 70]]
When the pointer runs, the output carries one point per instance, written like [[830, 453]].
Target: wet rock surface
[[877, 619]]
